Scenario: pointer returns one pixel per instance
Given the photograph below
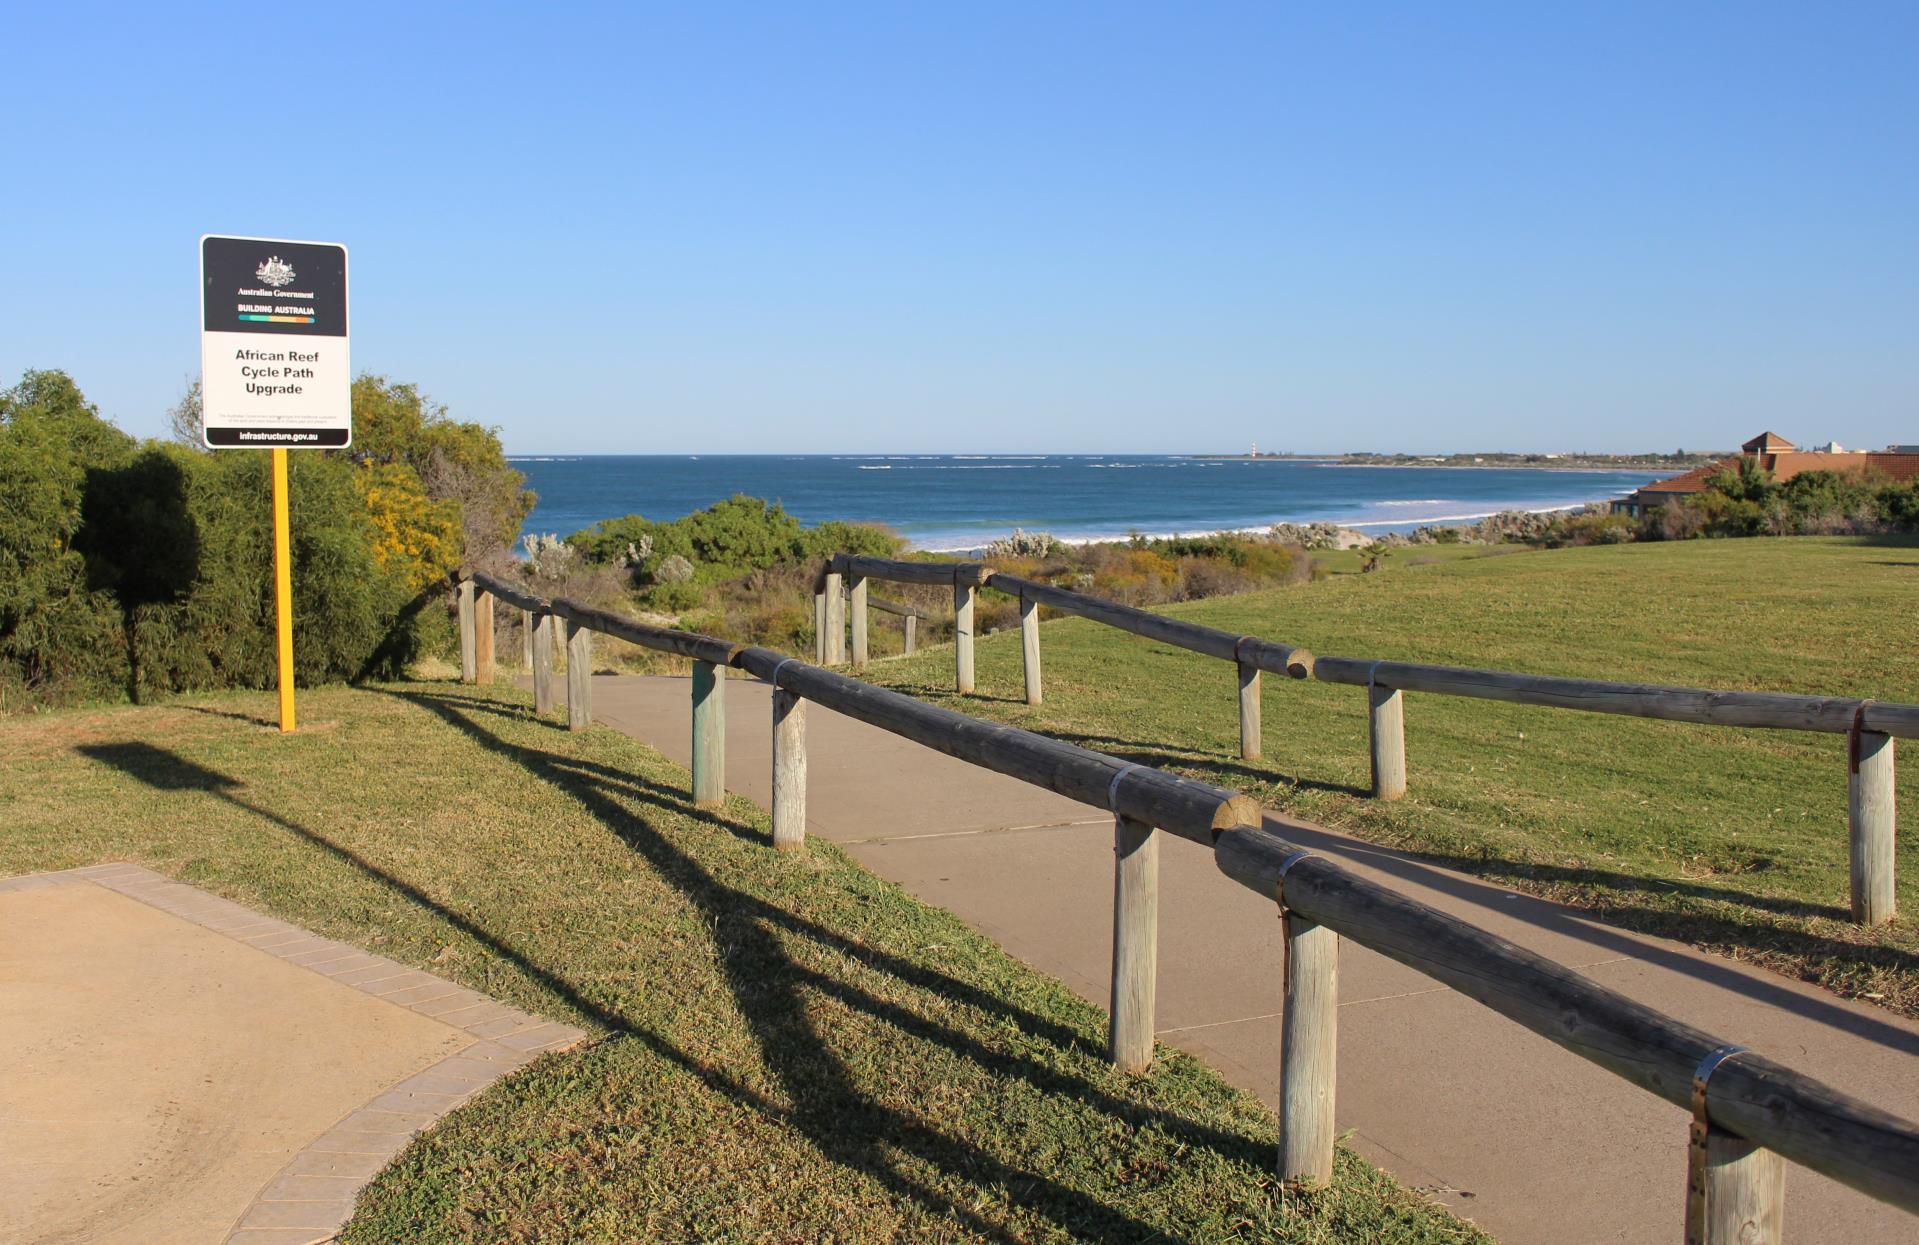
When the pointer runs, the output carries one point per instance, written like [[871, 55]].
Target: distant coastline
[[1673, 463]]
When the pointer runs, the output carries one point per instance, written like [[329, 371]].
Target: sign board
[[274, 372]]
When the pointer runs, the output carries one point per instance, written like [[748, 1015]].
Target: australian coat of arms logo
[[276, 272]]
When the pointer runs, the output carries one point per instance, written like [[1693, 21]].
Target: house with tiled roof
[[1782, 458]]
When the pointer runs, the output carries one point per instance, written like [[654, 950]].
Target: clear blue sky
[[1004, 227]]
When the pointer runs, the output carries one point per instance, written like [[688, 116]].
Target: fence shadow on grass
[[769, 986], [771, 990], [828, 1105]]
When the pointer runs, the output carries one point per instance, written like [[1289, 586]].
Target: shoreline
[[1574, 468], [1452, 520]]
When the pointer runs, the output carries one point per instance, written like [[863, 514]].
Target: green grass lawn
[[1348, 561], [790, 1048], [1735, 840]]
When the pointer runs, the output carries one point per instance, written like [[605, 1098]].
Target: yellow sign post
[[274, 374], [283, 585]]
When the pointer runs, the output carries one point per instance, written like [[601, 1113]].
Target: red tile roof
[[1693, 481]]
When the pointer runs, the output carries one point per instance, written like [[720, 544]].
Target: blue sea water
[[961, 501]]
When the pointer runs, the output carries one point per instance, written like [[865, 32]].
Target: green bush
[[727, 539], [59, 636], [673, 598], [396, 424], [1593, 529], [134, 571]]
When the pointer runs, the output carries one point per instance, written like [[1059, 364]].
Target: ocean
[[960, 501]]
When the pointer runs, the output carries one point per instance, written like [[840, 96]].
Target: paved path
[[1533, 1143], [176, 1069]]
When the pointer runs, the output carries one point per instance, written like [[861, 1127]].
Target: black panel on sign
[[293, 289]]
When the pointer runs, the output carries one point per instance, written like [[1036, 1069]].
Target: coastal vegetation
[[745, 568], [134, 569], [1743, 501], [1733, 840], [785, 1048]]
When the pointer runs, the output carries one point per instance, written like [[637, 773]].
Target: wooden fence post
[[468, 642], [579, 676], [1135, 944], [1249, 724], [1029, 646], [1741, 1199], [911, 625], [835, 620], [819, 628], [709, 735], [789, 771], [856, 602], [526, 639], [483, 637], [962, 637], [542, 662], [1309, 1047], [1870, 805], [1388, 716]]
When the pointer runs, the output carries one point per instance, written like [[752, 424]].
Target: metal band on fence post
[[1279, 883], [1112, 792], [1697, 1134], [1852, 736], [783, 663]]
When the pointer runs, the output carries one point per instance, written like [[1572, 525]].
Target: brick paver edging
[[312, 1197]]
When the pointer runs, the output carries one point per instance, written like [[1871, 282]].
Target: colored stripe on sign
[[280, 319]]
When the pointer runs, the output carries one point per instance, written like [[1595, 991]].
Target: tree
[[394, 423], [50, 399], [1746, 482], [185, 417]]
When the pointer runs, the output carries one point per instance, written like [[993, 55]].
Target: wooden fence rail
[[910, 619], [1747, 1108], [1249, 654], [1872, 725]]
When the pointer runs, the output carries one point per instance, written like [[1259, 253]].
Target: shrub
[[58, 634], [1593, 528], [139, 570], [1135, 576], [1021, 544], [462, 463], [673, 598], [417, 537], [1510, 527], [1306, 535], [726, 539], [1676, 520]]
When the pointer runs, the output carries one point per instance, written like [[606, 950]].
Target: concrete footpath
[[1506, 1129], [176, 1069]]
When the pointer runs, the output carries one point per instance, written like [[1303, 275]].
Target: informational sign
[[274, 372]]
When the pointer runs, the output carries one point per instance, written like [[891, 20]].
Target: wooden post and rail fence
[[1749, 1112], [1871, 726]]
